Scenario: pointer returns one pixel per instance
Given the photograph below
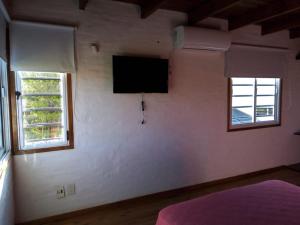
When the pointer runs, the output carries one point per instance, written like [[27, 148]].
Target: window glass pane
[[2, 107], [242, 90], [265, 113], [1, 133], [266, 90], [243, 81], [265, 81], [242, 100], [40, 86], [34, 117], [31, 102], [1, 121], [242, 115], [45, 133], [265, 109], [265, 100], [2, 149], [42, 110]]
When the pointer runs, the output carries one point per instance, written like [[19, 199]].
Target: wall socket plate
[[70, 189], [60, 192]]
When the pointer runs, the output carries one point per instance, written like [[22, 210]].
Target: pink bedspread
[[267, 203]]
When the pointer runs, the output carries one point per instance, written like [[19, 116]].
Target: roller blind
[[41, 48], [2, 36], [255, 62]]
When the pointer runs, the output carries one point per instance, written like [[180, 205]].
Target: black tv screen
[[140, 75]]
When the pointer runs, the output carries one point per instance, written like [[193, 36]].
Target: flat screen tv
[[140, 75]]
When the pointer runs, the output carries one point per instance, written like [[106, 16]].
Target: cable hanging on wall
[[143, 110]]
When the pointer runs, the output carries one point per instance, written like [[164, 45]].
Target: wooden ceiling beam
[[276, 9], [295, 33], [83, 4], [149, 7], [281, 23], [210, 9]]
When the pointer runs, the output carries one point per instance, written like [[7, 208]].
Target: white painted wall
[[6, 193], [184, 141]]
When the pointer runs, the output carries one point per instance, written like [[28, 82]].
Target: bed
[[267, 203]]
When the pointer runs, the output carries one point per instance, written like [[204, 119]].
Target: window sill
[[42, 150], [231, 129]]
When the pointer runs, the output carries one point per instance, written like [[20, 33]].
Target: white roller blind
[[41, 48], [255, 62], [2, 36]]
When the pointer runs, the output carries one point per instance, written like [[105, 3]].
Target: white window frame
[[256, 124], [65, 119], [2, 119], [4, 110]]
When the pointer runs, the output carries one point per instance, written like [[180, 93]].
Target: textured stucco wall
[[184, 141]]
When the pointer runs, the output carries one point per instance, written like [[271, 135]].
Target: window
[[2, 132], [43, 111], [254, 103], [4, 111]]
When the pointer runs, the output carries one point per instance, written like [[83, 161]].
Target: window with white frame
[[254, 102], [43, 118], [4, 110]]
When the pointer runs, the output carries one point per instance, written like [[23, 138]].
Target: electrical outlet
[[60, 191], [70, 189]]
